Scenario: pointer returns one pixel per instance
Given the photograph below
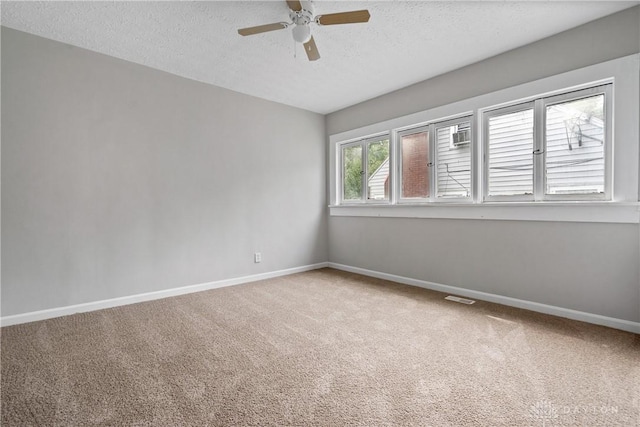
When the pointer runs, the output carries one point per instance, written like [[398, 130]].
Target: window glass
[[453, 144], [415, 172], [352, 172], [378, 170], [575, 146], [511, 154]]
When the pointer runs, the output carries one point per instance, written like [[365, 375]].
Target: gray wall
[[118, 179], [591, 267], [586, 267]]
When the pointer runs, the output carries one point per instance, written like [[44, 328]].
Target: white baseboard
[[115, 302], [625, 325], [597, 319]]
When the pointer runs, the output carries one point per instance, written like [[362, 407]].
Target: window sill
[[610, 212]]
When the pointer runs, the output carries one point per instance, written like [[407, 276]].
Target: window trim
[[601, 212], [623, 205]]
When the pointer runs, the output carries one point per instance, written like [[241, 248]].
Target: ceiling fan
[[301, 17]]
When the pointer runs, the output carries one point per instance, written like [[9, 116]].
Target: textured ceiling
[[403, 43]]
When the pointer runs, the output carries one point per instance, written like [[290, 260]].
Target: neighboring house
[[453, 162], [379, 182], [574, 150]]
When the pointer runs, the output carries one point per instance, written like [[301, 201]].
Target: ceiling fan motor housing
[[302, 17]]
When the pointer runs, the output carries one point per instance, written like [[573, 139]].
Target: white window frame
[[342, 147], [514, 108], [606, 90], [432, 171], [398, 134], [539, 107], [472, 144], [623, 175], [363, 143]]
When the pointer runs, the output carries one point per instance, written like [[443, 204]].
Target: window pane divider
[[539, 155]]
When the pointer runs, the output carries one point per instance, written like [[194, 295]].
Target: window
[[352, 173], [552, 148], [575, 146], [365, 170], [378, 169], [548, 148], [439, 171], [510, 151], [526, 152], [453, 159], [414, 177]]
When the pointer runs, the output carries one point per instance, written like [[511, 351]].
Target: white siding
[[511, 154], [453, 165], [377, 180], [575, 151]]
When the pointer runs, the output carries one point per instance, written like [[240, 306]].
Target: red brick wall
[[415, 174]]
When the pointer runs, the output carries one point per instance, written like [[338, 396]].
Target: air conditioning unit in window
[[461, 137]]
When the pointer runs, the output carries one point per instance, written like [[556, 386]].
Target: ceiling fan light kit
[[301, 33], [301, 16]]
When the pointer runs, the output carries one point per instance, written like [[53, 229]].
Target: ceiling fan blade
[[294, 5], [262, 28], [344, 17], [312, 50]]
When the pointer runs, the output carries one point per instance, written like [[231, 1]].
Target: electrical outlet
[[257, 257]]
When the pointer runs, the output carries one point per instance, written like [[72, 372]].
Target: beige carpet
[[319, 348]]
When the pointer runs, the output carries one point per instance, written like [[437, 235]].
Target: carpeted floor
[[323, 348]]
